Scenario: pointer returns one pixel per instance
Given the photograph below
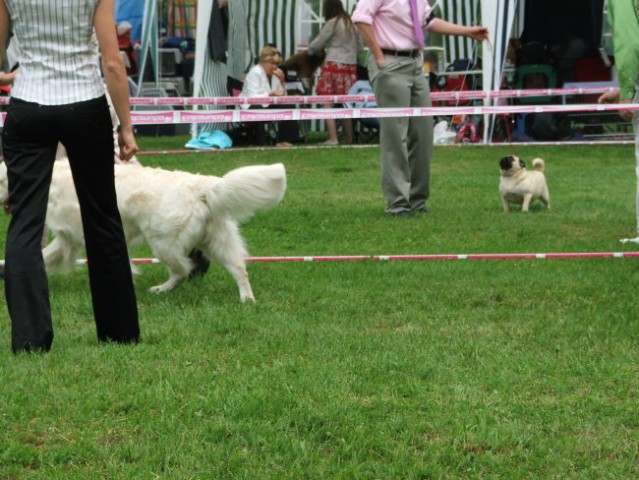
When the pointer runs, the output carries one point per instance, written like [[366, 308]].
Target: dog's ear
[[522, 164]]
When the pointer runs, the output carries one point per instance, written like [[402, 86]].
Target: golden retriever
[[174, 212]]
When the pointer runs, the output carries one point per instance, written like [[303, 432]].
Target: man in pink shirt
[[393, 32]]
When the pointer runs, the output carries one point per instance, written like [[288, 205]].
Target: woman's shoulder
[[256, 69]]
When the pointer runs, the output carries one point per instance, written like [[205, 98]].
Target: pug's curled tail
[[538, 164]]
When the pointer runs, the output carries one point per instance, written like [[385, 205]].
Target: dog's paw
[[160, 288], [247, 298]]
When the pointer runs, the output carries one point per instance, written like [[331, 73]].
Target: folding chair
[[364, 129]]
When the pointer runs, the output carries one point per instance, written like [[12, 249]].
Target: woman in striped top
[[59, 96]]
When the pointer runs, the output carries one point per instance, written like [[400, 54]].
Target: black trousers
[[30, 137], [287, 130]]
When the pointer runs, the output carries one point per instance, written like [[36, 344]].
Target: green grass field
[[447, 369]]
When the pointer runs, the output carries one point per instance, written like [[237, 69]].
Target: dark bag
[[548, 126], [456, 83], [535, 53]]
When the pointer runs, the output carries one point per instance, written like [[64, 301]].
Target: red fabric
[[126, 46], [336, 78], [454, 83]]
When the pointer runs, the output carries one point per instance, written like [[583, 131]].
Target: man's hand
[[627, 115], [478, 33], [613, 97]]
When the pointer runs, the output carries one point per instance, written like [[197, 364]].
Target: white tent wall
[[149, 41], [499, 16], [209, 76]]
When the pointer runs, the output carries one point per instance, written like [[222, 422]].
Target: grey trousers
[[406, 142]]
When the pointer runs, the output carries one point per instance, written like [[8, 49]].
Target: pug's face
[[511, 164]]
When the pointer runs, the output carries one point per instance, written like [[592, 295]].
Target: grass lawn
[[446, 369]]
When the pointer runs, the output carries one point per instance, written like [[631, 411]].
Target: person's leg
[[258, 129], [348, 78], [331, 126], [420, 143], [392, 87], [29, 152], [348, 131], [87, 136]]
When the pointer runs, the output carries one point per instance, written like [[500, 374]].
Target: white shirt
[[257, 84], [59, 63]]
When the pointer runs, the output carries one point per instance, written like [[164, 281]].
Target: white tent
[[499, 16], [149, 42], [204, 8]]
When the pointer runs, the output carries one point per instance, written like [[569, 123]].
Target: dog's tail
[[538, 164], [245, 190]]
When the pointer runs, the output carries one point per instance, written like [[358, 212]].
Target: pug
[[520, 186]]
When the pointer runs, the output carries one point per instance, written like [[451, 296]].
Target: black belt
[[402, 53]]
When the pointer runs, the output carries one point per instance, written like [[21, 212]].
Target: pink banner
[[139, 118], [206, 116], [258, 116], [325, 113]]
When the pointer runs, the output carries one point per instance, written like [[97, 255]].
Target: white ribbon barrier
[[222, 116], [384, 258], [322, 99], [336, 99], [239, 115]]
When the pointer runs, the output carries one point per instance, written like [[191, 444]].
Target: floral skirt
[[336, 78]]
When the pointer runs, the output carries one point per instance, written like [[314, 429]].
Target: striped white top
[[59, 61]]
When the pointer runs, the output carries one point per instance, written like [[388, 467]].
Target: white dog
[[173, 212], [518, 185]]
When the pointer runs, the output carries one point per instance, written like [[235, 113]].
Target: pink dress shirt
[[392, 22]]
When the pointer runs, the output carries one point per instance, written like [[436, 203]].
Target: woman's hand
[[127, 143]]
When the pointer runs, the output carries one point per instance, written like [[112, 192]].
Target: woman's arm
[[115, 75]]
